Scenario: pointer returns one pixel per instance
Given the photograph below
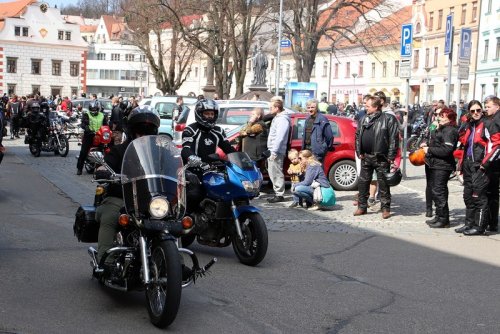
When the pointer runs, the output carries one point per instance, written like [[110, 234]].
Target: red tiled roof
[[87, 28], [114, 25], [14, 8], [186, 21]]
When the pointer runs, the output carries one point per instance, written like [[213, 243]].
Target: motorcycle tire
[[163, 294], [63, 148], [411, 145], [187, 240], [35, 150], [254, 231]]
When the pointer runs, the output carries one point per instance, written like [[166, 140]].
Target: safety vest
[[95, 122]]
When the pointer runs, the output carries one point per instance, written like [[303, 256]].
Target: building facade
[[39, 51]]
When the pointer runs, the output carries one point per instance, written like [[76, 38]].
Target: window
[[129, 57], [56, 67], [196, 72], [416, 55], [74, 91], [17, 31], [68, 35], [205, 72], [36, 66], [488, 8], [452, 10], [325, 69], [431, 20], [142, 58], [35, 89], [11, 89], [464, 13], [436, 55], [249, 66], [418, 28], [497, 50], [25, 31], [92, 74], [11, 65], [360, 69], [384, 69], [440, 19], [115, 56], [60, 35], [74, 68], [373, 70], [55, 90], [272, 64], [101, 56], [287, 71], [348, 70], [427, 54], [336, 71], [486, 49], [396, 68], [474, 10]]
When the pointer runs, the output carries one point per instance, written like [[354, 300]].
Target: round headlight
[[106, 135], [158, 207]]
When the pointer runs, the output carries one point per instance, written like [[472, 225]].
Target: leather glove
[[194, 161]]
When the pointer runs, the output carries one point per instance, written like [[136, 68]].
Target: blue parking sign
[[465, 43], [448, 43], [406, 40]]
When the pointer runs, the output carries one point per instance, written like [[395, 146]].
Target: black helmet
[[204, 105], [143, 120], [94, 107], [393, 178]]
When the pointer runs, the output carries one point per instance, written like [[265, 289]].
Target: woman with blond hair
[[313, 172]]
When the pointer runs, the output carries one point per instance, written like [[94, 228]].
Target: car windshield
[[106, 104], [165, 109]]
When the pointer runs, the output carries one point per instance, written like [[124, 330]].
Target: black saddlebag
[[86, 228]]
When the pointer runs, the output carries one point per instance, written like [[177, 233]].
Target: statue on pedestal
[[259, 63]]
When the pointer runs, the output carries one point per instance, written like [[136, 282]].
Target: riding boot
[[469, 221], [480, 223]]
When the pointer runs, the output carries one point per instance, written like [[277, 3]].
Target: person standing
[[181, 112], [491, 164], [323, 106], [317, 135], [475, 146], [439, 157], [91, 122], [254, 135], [67, 106], [116, 121], [277, 145], [377, 142], [14, 108]]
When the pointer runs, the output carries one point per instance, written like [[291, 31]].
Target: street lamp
[[354, 75]]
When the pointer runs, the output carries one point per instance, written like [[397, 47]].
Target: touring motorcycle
[[146, 255], [224, 215], [47, 138]]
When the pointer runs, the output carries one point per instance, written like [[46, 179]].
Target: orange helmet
[[417, 158]]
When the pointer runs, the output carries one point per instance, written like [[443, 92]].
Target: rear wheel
[[35, 149], [343, 175], [63, 147], [163, 294], [253, 248]]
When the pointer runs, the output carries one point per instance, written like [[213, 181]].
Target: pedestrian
[[377, 142], [67, 106], [14, 107], [317, 135], [492, 163], [304, 191], [254, 135], [277, 144], [181, 111], [323, 106], [332, 109], [296, 171], [116, 121], [474, 140], [439, 157]]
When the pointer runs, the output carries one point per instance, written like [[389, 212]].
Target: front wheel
[[63, 147], [253, 248], [163, 294], [35, 149]]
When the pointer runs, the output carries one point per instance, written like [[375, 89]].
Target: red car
[[339, 163]]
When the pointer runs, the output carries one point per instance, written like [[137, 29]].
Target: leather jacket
[[386, 135], [441, 146]]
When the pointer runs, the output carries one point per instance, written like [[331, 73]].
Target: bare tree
[[307, 21], [151, 31], [93, 8]]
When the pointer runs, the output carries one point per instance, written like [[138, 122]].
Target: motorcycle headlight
[[106, 135], [251, 187], [158, 207]]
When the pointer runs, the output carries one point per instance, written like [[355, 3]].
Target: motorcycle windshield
[[242, 160], [152, 167]]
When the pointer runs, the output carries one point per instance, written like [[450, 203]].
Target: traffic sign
[[285, 43], [405, 68], [465, 43], [448, 43], [463, 72], [406, 39]]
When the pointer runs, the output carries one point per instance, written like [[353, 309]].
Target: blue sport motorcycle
[[224, 215]]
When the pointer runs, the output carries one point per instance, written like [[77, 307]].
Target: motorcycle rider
[[142, 121], [199, 140], [91, 122], [34, 114]]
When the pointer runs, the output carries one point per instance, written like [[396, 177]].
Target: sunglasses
[[475, 111]]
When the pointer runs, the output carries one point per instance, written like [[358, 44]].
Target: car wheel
[[343, 175]]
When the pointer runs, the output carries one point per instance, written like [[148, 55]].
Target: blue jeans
[[303, 193]]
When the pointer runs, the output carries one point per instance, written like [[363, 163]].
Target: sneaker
[[276, 199], [313, 207]]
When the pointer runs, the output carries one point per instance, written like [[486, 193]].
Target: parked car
[[339, 162], [84, 103], [165, 106]]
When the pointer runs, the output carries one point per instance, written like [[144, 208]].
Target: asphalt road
[[345, 279]]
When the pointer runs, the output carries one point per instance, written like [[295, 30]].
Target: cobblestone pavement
[[408, 201]]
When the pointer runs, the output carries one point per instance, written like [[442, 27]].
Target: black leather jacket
[[441, 146], [386, 135]]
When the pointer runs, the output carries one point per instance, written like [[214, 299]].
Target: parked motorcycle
[[101, 143], [72, 124], [146, 255], [418, 135], [47, 139], [224, 215]]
